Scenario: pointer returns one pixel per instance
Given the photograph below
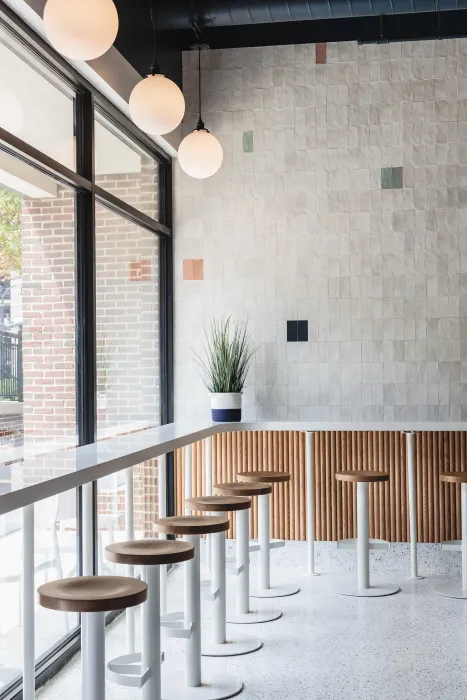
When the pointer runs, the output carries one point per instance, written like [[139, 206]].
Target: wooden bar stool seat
[[360, 476], [263, 476], [92, 596], [198, 683], [236, 488], [143, 669], [361, 587], [191, 524], [92, 593], [223, 644], [456, 588], [453, 477], [264, 589], [219, 504], [149, 552]]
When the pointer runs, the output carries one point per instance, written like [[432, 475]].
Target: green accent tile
[[397, 178], [392, 178], [247, 142]]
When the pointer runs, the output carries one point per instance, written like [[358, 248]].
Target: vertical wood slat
[[438, 504]]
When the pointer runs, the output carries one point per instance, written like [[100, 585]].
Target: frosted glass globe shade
[[81, 29], [11, 112], [200, 154], [157, 105]]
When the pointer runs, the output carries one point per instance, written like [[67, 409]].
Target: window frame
[[88, 101]]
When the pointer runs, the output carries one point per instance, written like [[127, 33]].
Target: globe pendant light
[[157, 105], [81, 29], [200, 154]]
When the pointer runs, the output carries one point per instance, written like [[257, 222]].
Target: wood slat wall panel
[[438, 504]]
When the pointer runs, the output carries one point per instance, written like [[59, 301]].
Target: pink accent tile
[[193, 269], [320, 54]]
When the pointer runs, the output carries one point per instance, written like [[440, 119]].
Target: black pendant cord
[[200, 124], [155, 68]]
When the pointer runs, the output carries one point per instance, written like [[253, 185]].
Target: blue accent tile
[[302, 335], [292, 331]]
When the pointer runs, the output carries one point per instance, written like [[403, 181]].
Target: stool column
[[464, 536], [93, 655], [264, 542], [361, 587], [162, 503], [242, 555], [130, 570], [363, 540], [244, 613], [193, 616], [151, 652], [208, 492], [218, 587], [453, 588]]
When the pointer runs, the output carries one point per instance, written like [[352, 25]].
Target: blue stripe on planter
[[226, 415]]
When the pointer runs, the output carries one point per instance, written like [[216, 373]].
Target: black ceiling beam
[[387, 28]]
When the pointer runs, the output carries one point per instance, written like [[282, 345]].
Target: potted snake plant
[[224, 367]]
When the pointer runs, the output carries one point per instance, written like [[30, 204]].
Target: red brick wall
[[49, 319]]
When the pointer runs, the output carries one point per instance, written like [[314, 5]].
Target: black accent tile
[[292, 331], [302, 334]]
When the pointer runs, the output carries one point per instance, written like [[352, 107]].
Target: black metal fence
[[11, 366]]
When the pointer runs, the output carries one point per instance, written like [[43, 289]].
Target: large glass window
[[125, 170], [37, 311], [34, 105], [127, 312], [47, 343]]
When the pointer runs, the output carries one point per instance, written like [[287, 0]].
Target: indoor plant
[[225, 367]]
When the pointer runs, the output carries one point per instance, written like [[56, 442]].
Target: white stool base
[[414, 578], [276, 591], [236, 646], [350, 588], [254, 617], [214, 686], [451, 589]]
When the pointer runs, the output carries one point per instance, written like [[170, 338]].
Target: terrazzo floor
[[409, 646]]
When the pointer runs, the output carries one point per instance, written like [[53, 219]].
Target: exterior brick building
[[127, 327]]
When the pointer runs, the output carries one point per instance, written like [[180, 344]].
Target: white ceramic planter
[[226, 408]]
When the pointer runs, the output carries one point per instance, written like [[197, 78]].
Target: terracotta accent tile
[[135, 271], [193, 269], [320, 53], [140, 271], [146, 272]]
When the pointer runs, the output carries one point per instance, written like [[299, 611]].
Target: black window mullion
[[86, 401], [166, 320], [86, 273], [127, 211]]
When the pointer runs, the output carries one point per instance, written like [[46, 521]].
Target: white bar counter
[[67, 469]]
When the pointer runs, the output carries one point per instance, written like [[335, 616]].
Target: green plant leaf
[[227, 357]]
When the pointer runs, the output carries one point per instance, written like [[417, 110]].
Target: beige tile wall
[[301, 229]]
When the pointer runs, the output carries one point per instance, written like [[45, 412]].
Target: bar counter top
[[61, 471]]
